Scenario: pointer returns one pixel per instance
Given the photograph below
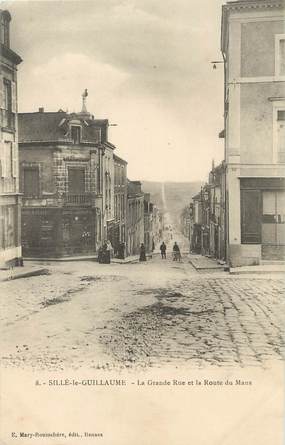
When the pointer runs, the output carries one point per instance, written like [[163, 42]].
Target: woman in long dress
[[142, 253]]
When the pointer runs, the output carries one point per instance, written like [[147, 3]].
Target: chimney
[[41, 110]]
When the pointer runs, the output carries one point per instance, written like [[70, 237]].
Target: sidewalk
[[60, 259], [201, 262], [22, 272], [260, 269], [128, 259]]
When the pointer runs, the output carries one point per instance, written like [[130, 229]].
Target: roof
[[5, 50], [9, 54], [120, 160], [134, 188], [54, 126], [197, 197]]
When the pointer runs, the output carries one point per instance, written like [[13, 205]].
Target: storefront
[[53, 232], [263, 215]]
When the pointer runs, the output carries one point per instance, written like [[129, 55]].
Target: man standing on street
[[176, 252], [163, 250]]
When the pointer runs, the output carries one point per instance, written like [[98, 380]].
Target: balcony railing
[[83, 200]]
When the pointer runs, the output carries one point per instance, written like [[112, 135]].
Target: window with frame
[[8, 156], [8, 118], [31, 182], [8, 160], [281, 136], [280, 55], [76, 180], [5, 34], [75, 134]]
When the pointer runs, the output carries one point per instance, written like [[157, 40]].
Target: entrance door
[[250, 216], [273, 225]]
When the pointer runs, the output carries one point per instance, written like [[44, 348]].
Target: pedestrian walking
[[176, 252], [142, 253], [163, 250]]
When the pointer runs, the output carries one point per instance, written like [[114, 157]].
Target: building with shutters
[[117, 230], [10, 212], [253, 49], [148, 223], [67, 181], [217, 215]]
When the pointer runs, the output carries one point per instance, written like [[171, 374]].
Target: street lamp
[[214, 63]]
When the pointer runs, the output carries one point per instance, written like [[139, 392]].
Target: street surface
[[154, 314]]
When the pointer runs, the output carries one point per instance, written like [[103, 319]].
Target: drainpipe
[[226, 217]]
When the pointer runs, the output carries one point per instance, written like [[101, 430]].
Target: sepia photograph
[[142, 222]]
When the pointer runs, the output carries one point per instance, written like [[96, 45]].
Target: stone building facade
[[152, 224], [253, 49], [10, 210], [148, 223], [108, 198], [195, 223], [120, 203], [135, 217], [66, 177], [217, 214], [157, 226]]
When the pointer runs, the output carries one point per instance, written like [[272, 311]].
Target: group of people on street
[[176, 255], [106, 252]]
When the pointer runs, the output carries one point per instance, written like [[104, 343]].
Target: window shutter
[[15, 159], [14, 97], [2, 159], [1, 93]]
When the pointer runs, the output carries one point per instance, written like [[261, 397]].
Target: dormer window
[[5, 24], [75, 134]]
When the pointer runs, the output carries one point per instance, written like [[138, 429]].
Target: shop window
[[273, 218]]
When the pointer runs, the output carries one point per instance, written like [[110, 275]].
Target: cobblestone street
[[140, 315]]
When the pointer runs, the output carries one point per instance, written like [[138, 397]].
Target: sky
[[147, 67]]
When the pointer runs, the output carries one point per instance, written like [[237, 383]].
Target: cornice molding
[[254, 5], [9, 54]]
